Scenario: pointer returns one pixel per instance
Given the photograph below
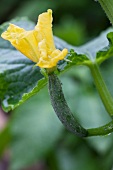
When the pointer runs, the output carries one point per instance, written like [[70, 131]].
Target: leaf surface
[[19, 80]]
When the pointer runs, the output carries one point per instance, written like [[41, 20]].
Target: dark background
[[83, 19]]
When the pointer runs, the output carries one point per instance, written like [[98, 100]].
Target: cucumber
[[61, 108]]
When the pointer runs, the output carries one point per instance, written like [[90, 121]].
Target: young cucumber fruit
[[61, 108]]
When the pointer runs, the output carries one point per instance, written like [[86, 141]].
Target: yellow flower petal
[[44, 27], [12, 32], [38, 44], [42, 49], [22, 40], [51, 61]]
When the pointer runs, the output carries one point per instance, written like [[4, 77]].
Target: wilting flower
[[38, 44]]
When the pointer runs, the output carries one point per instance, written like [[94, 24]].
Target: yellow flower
[[38, 44]]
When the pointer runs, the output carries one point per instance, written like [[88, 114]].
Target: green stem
[[101, 131], [107, 5], [102, 89]]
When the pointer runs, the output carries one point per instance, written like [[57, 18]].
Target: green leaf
[[92, 48], [106, 52], [97, 50], [19, 80], [17, 75]]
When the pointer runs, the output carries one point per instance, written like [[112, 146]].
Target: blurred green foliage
[[71, 18], [38, 136]]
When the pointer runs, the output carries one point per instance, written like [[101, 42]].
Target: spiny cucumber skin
[[61, 108]]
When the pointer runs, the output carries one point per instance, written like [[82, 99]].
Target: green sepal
[[106, 52], [77, 59]]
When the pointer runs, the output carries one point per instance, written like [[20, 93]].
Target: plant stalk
[[102, 89], [102, 130]]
